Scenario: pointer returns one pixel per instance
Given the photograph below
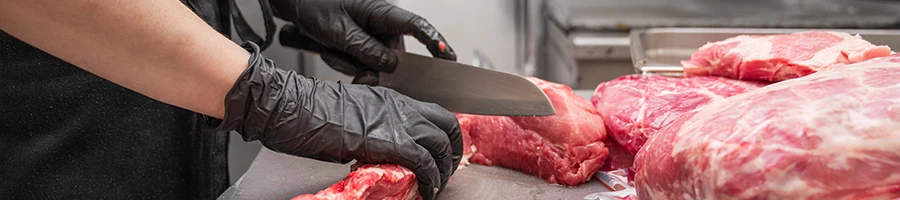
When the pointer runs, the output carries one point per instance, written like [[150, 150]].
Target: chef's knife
[[455, 86]]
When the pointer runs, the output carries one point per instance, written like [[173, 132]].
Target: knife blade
[[455, 86]]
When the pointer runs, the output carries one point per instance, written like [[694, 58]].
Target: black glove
[[365, 30], [338, 122]]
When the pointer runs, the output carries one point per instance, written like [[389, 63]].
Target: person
[[114, 99]]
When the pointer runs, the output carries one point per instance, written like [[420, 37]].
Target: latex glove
[[365, 30], [338, 122]]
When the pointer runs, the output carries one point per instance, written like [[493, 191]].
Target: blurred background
[[579, 43]]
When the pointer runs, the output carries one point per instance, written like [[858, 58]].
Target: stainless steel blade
[[465, 89]]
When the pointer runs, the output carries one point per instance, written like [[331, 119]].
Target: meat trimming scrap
[[834, 134]]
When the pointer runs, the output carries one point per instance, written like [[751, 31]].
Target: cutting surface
[[279, 176]]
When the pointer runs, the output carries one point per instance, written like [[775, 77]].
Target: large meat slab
[[566, 148], [385, 182], [635, 107], [834, 134], [774, 58]]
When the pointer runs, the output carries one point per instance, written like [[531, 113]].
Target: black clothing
[[68, 134]]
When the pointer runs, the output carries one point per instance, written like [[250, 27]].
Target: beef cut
[[566, 148], [634, 107], [387, 182], [834, 134], [618, 157], [774, 58]]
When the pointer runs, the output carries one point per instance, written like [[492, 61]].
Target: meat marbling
[[775, 58], [386, 182], [566, 148], [634, 107], [834, 134]]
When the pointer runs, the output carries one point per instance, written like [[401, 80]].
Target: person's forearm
[[157, 48]]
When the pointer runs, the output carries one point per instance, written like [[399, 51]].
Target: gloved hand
[[365, 30], [338, 122]]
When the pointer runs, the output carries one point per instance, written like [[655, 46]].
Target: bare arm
[[157, 48]]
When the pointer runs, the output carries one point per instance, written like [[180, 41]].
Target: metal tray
[[661, 50]]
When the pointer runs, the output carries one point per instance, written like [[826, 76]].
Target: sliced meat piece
[[566, 148], [774, 58], [834, 134], [388, 182], [634, 107]]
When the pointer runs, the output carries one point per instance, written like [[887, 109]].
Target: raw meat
[[618, 157], [634, 107], [388, 182], [465, 124], [566, 148], [834, 134], [776, 58], [630, 197]]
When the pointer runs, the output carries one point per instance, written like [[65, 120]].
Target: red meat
[[566, 148], [618, 157], [774, 58], [387, 182], [634, 107], [830, 135]]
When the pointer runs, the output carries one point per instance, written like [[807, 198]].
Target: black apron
[[68, 134]]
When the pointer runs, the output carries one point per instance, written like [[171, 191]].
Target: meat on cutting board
[[566, 148], [383, 182], [834, 134], [634, 107], [774, 58]]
